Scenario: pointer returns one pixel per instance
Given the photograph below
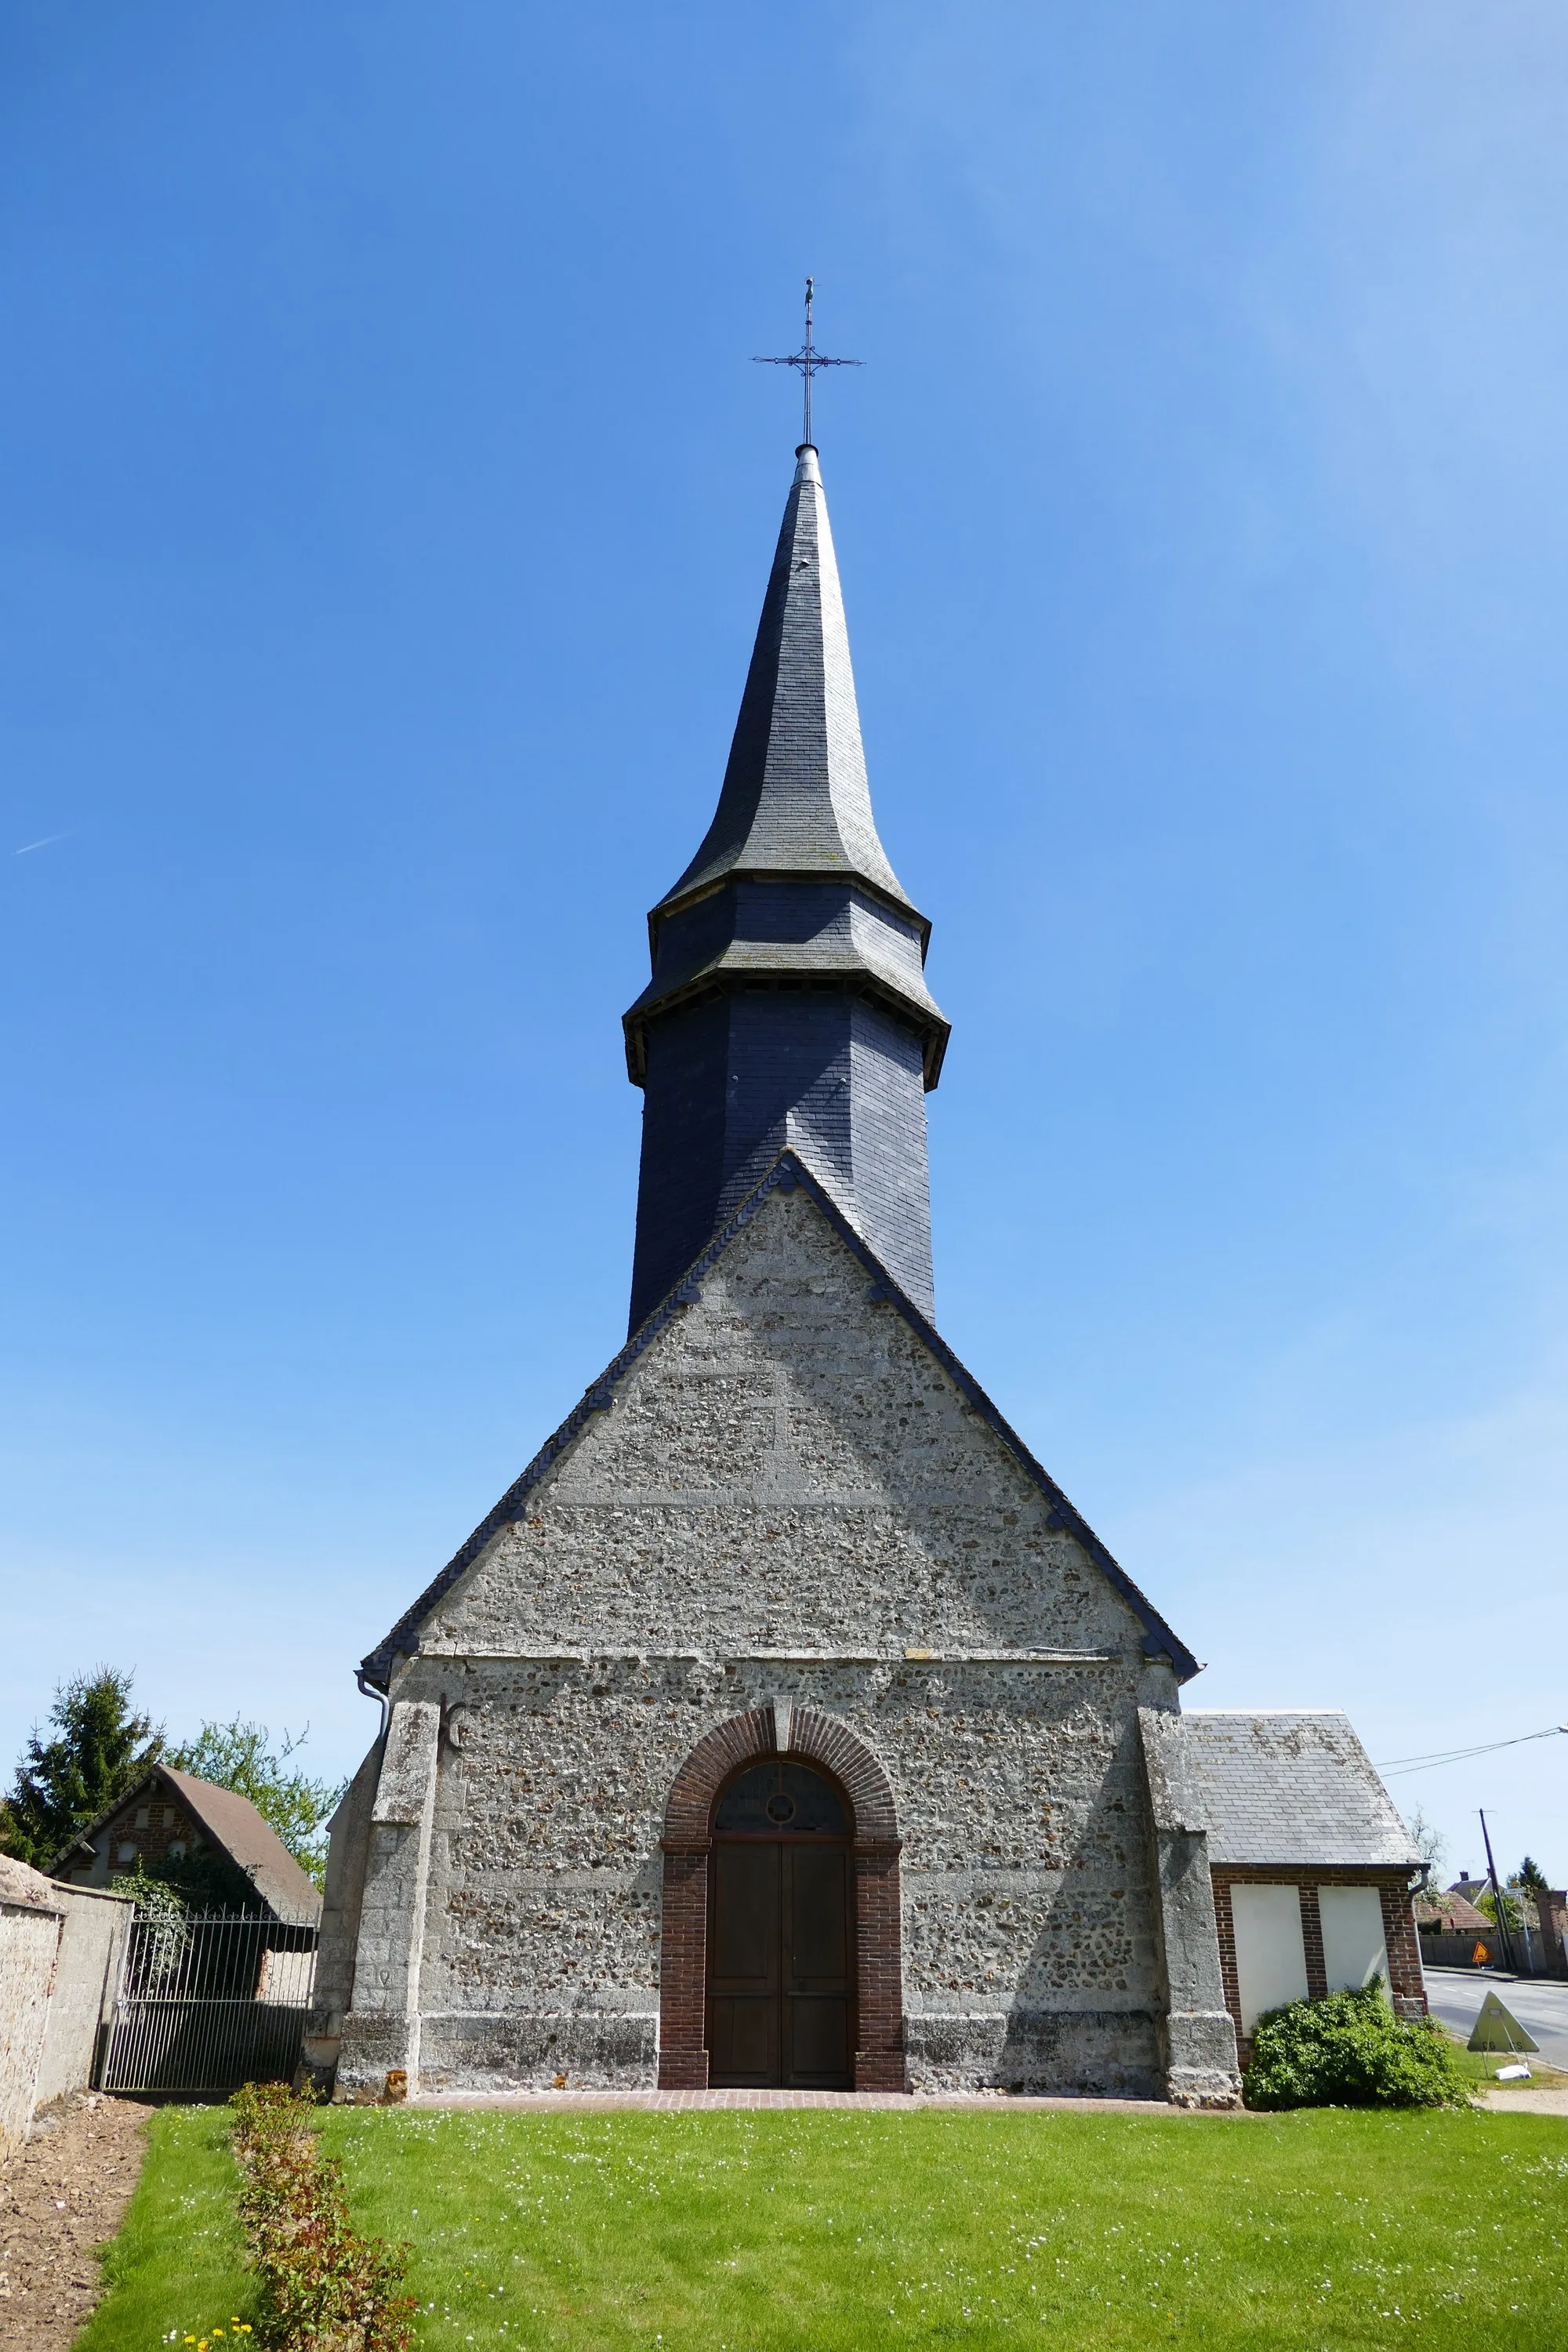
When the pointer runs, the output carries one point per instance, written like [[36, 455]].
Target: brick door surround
[[815, 1739]]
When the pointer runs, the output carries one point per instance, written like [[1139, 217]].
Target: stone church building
[[785, 1723]]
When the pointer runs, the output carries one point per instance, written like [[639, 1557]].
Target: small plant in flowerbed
[[325, 2288], [1350, 2051]]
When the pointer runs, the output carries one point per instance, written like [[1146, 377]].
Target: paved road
[[1539, 2003]]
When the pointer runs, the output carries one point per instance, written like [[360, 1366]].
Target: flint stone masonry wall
[[789, 1493], [1027, 1950], [786, 1467], [29, 1941]]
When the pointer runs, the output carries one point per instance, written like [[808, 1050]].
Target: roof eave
[[718, 877], [929, 1024]]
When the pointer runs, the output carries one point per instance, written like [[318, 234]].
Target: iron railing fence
[[209, 2001]]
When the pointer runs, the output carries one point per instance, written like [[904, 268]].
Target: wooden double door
[[781, 1940]]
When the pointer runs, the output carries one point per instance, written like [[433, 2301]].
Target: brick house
[[171, 1818], [785, 1723]]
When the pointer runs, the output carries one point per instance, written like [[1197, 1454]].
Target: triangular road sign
[[1496, 2030]]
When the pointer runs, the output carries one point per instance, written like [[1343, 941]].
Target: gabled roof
[[787, 1171], [1458, 1916], [234, 1825], [1291, 1785]]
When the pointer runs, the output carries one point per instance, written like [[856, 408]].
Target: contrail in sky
[[28, 846]]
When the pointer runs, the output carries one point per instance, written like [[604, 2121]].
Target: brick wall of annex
[[1406, 1985]]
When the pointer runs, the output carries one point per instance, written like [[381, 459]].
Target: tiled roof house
[[172, 1817]]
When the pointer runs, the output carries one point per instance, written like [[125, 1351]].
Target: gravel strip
[[62, 2194]]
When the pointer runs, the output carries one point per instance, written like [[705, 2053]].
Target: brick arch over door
[[797, 1731]]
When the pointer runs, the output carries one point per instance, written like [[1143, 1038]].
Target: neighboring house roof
[[1454, 1914], [1292, 1786], [787, 1171], [234, 1825]]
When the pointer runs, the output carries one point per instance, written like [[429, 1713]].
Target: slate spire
[[795, 799], [789, 1002]]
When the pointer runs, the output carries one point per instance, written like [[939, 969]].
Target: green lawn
[[732, 2232]]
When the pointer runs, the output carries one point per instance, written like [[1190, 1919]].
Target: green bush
[[1350, 2051]]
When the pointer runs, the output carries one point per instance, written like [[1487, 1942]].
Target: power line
[[1397, 1765]]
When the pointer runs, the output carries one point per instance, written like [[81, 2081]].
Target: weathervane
[[808, 361]]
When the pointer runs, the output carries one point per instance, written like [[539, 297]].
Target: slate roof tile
[[1288, 1786]]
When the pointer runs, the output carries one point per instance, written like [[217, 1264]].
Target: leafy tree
[[1530, 1876], [1512, 1917], [1430, 1844], [99, 1750], [237, 1756]]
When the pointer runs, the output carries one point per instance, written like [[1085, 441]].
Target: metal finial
[[808, 361]]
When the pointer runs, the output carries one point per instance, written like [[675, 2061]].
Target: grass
[[754, 2232], [1479, 2067], [179, 2247]]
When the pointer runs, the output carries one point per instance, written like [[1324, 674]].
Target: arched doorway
[[781, 1933], [798, 1735]]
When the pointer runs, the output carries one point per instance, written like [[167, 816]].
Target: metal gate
[[209, 2001]]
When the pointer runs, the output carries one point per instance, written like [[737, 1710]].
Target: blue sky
[[389, 501]]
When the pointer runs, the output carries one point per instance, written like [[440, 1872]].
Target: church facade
[[783, 1724]]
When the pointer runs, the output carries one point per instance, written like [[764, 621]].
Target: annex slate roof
[[787, 1171], [234, 1824], [795, 798], [1291, 1786]]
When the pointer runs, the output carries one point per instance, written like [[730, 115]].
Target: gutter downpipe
[[367, 1689]]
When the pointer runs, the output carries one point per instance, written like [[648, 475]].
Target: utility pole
[[1504, 1939]]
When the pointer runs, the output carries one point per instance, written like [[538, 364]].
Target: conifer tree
[[101, 1749]]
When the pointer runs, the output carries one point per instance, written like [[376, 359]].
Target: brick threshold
[[701, 2102]]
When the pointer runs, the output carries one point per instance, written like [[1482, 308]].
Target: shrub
[[325, 2288], [1350, 2051]]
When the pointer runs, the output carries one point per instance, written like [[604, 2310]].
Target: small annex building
[[1312, 1869], [785, 1723], [171, 1818]]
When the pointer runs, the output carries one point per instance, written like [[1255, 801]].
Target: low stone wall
[[29, 1939], [86, 1972], [59, 1965]]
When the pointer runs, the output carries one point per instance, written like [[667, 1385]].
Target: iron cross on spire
[[808, 361]]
